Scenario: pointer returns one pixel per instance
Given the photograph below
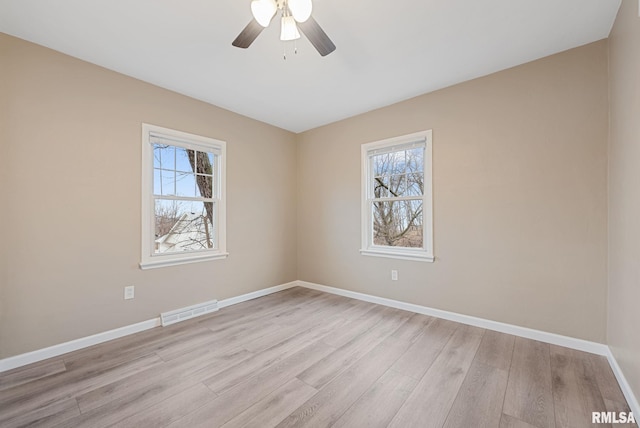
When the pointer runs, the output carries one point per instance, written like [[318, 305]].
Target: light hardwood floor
[[305, 358]]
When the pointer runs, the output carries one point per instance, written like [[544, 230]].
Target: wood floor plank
[[256, 311], [328, 405], [529, 395], [115, 409], [411, 330], [356, 327], [126, 397], [276, 406], [48, 415], [346, 308], [496, 350], [253, 389], [185, 371], [479, 402], [269, 311], [173, 408], [232, 336], [257, 307], [575, 388], [306, 320], [511, 422], [221, 382], [431, 400], [420, 322], [380, 403], [335, 363], [121, 351], [229, 335], [419, 357], [34, 372], [61, 386]]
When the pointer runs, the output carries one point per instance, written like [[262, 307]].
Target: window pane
[[163, 156], [204, 186], [398, 223], [381, 187], [183, 226], [185, 184], [398, 184], [382, 164], [163, 182], [399, 173], [415, 184], [157, 182], [398, 163], [184, 158], [415, 160], [205, 163]]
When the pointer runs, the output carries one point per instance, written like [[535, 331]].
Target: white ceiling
[[386, 51]]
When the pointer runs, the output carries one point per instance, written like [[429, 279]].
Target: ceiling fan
[[295, 14]]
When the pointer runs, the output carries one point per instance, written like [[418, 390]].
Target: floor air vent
[[189, 312]]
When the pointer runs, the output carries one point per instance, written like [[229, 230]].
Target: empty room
[[319, 213]]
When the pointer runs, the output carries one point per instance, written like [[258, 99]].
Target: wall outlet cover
[[129, 292]]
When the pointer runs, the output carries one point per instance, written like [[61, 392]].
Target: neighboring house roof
[[191, 232]]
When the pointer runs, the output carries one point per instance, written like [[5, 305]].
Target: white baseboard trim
[[254, 295], [74, 345], [632, 400], [84, 342], [542, 336]]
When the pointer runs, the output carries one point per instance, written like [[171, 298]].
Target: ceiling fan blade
[[248, 35], [317, 36]]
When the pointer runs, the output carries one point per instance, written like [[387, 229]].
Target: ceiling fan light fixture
[[296, 18], [263, 11], [300, 9], [289, 29]]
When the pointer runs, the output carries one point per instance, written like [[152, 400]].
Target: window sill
[[152, 264], [402, 255]]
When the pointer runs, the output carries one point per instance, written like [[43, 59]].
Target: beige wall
[[520, 197], [624, 193], [72, 214], [520, 177], [4, 116]]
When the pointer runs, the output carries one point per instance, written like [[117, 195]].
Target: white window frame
[[367, 151], [196, 142]]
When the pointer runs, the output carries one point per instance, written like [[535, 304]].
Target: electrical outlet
[[394, 275], [129, 292]]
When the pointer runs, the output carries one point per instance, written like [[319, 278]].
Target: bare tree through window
[[398, 189], [184, 189]]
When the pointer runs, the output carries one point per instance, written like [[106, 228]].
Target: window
[[396, 198], [183, 198]]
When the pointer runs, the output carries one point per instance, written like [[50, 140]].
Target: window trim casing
[[367, 247], [148, 259]]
